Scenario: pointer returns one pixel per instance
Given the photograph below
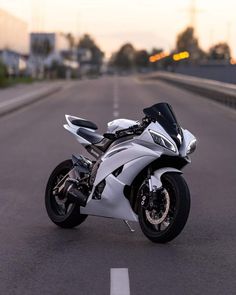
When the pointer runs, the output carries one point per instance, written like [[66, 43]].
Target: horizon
[[158, 28]]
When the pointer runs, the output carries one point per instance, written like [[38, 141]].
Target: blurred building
[[85, 61], [15, 63], [48, 50], [13, 33], [14, 42]]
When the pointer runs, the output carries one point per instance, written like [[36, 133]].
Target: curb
[[220, 92], [22, 101]]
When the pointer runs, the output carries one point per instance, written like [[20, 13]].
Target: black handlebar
[[136, 129]]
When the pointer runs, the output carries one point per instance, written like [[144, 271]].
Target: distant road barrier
[[221, 92]]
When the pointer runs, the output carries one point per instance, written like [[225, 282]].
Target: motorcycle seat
[[84, 123], [90, 136], [104, 144]]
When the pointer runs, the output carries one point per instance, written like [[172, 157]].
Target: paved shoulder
[[19, 96]]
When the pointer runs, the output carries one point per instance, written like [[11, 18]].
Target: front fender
[[131, 192], [156, 177]]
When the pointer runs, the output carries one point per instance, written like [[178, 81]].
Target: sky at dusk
[[145, 23]]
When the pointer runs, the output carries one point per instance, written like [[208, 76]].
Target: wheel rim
[[159, 222], [155, 217], [60, 207]]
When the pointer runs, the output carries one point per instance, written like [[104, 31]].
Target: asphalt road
[[36, 257]]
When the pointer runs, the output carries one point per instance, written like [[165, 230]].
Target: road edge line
[[31, 100]]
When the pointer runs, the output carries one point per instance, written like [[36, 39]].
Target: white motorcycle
[[136, 174]]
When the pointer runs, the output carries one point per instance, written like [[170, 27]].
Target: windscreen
[[164, 115]]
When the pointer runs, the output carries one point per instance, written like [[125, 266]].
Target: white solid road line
[[119, 281], [19, 98], [35, 93], [28, 96]]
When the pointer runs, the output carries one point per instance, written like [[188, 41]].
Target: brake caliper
[[153, 200]]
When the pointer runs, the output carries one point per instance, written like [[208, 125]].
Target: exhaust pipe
[[74, 195]]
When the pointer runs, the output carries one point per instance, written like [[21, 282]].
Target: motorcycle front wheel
[[164, 222], [62, 212]]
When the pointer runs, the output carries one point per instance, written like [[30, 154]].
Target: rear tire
[[64, 215], [179, 207]]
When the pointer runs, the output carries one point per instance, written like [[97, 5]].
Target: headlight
[[192, 146], [162, 140]]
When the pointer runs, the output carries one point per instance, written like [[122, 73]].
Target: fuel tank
[[119, 124]]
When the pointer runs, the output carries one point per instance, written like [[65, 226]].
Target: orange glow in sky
[[145, 23]]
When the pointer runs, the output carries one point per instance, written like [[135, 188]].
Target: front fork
[[155, 192]]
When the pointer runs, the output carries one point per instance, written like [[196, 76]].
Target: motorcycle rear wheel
[[178, 200], [64, 214]]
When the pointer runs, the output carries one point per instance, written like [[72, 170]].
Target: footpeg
[[129, 226]]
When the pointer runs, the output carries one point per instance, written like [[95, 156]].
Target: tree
[[42, 46], [125, 57], [86, 42], [3, 74], [141, 58], [186, 41], [156, 51], [220, 51], [71, 40]]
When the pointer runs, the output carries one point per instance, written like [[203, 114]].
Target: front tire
[[64, 214], [164, 226]]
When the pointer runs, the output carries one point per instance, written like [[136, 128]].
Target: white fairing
[[187, 138], [74, 128], [113, 202], [133, 156]]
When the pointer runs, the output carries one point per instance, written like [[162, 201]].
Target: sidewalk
[[15, 97], [221, 92]]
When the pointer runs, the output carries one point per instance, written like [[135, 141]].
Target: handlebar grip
[[133, 129]]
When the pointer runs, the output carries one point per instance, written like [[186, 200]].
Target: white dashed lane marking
[[115, 99], [119, 281]]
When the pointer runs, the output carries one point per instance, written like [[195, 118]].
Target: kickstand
[[129, 226]]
